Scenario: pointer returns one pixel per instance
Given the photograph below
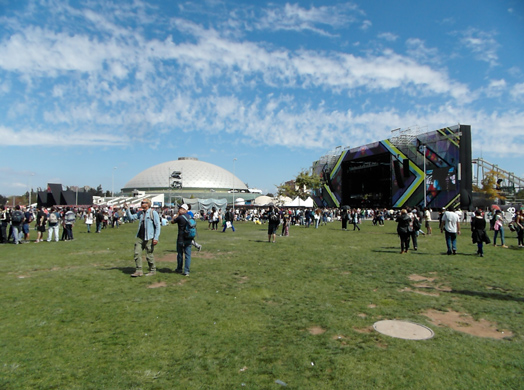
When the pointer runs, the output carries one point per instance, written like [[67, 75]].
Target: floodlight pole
[[30, 187], [424, 156], [234, 160], [113, 183]]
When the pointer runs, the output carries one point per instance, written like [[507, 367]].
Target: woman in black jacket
[[478, 232], [403, 221]]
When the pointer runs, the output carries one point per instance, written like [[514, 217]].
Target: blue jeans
[[16, 233], [69, 231], [501, 231], [225, 227], [451, 241], [183, 249]]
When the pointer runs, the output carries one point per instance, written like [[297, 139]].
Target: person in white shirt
[[451, 225]]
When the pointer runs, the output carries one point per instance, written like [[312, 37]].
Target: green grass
[[72, 318]]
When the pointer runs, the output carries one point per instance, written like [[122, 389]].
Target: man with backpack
[[146, 238], [186, 234], [54, 224], [17, 218], [274, 221]]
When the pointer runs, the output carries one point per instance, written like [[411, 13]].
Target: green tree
[[302, 185]]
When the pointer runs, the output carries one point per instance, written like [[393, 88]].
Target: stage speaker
[[405, 167], [398, 175]]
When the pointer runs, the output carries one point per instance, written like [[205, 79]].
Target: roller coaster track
[[511, 184]]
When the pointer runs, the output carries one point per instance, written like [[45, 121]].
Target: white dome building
[[198, 179]]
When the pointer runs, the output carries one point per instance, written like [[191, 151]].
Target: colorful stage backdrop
[[390, 173]]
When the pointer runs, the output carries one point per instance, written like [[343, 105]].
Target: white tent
[[263, 200], [297, 202]]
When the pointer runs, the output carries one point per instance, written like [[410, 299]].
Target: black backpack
[[17, 217], [416, 224]]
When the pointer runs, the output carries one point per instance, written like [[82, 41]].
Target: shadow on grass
[[395, 249], [124, 270], [130, 270], [489, 295]]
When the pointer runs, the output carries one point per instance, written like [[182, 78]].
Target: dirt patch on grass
[[407, 289], [426, 283], [372, 306], [463, 322], [362, 315], [157, 285], [243, 279], [419, 278], [316, 330]]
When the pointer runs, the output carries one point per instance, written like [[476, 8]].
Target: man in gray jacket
[[146, 238]]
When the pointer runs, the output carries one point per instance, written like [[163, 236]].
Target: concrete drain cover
[[403, 330]]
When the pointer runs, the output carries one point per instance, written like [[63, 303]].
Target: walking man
[[146, 238], [450, 223], [230, 217]]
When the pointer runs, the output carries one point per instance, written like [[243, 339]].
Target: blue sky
[[89, 86]]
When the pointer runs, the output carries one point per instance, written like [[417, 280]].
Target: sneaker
[[137, 274], [151, 273], [454, 251], [177, 271], [185, 274]]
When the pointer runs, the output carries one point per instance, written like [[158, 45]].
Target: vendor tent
[[297, 202], [206, 204]]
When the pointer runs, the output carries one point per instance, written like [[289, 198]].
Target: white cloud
[[30, 137], [295, 18], [366, 24], [390, 37], [416, 49], [517, 92], [495, 88], [202, 80], [482, 44]]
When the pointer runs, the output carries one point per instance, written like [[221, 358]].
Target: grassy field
[[298, 313]]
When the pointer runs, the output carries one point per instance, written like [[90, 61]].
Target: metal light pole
[[30, 187], [234, 160], [113, 184], [425, 205]]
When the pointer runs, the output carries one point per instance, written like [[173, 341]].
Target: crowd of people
[[15, 225]]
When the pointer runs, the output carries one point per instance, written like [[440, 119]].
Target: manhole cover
[[403, 330]]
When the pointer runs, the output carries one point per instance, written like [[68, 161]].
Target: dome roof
[[194, 173]]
